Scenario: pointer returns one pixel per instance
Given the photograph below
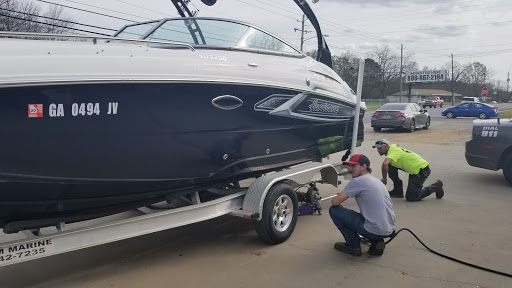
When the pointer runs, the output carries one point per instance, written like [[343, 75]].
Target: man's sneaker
[[438, 188], [343, 247], [394, 194], [377, 249]]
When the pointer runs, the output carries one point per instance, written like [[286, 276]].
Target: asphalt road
[[472, 222]]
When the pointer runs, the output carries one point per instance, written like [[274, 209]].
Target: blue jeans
[[351, 223], [415, 190]]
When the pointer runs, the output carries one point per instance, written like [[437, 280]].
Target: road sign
[[484, 92]]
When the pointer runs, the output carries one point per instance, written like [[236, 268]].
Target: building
[[418, 95]]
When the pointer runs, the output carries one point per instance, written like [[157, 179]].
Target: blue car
[[471, 109]]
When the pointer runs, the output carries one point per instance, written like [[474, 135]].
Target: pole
[[401, 57], [508, 80], [485, 72], [409, 94], [302, 32], [358, 106], [453, 85]]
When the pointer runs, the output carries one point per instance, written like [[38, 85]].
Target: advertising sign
[[426, 76]]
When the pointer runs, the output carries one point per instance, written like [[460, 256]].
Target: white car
[[469, 99]]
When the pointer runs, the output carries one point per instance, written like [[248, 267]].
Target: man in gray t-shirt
[[376, 219]]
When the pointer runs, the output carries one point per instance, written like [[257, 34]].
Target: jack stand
[[307, 209]]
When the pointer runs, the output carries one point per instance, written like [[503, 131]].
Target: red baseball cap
[[358, 159]]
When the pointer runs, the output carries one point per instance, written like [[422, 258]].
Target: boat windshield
[[136, 31], [211, 32]]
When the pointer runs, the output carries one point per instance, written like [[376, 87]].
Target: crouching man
[[376, 219]]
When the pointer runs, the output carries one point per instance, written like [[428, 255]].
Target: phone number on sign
[[432, 77]]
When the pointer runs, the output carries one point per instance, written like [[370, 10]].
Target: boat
[[97, 125]]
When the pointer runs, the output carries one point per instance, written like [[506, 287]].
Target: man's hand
[[385, 181]]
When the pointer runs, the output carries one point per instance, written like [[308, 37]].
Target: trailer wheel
[[279, 216]]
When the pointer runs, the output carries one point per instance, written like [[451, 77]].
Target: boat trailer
[[270, 200]]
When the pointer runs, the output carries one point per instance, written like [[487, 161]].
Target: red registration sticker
[[35, 110]]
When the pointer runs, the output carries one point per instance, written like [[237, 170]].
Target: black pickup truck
[[490, 146]]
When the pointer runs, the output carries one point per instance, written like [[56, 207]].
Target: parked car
[[400, 115], [433, 102], [471, 109], [469, 99], [490, 146]]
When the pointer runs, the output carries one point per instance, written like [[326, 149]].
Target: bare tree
[[25, 16], [346, 66], [56, 22], [389, 64]]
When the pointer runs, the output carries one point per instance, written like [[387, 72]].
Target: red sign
[[484, 92], [35, 110]]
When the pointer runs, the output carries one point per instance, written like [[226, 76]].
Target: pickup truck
[[490, 146], [433, 102]]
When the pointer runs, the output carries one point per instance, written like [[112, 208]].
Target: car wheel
[[507, 168], [427, 124], [279, 215], [435, 106], [376, 129], [412, 126], [424, 106], [441, 106], [429, 106], [482, 115], [449, 115]]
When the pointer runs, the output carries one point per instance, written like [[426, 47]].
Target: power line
[[267, 9], [449, 27], [141, 7], [55, 25], [92, 12], [428, 14], [387, 15], [128, 14], [65, 21]]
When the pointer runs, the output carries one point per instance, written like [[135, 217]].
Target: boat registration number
[[75, 109], [26, 250]]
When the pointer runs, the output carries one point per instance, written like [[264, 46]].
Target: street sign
[[426, 76], [485, 91]]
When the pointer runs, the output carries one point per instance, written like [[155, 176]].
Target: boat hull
[[81, 148]]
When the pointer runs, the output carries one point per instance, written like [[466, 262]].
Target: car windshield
[[393, 106], [208, 32]]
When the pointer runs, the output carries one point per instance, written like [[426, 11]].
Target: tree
[[347, 67], [25, 16], [389, 64]]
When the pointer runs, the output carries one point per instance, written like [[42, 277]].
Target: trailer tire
[[279, 215]]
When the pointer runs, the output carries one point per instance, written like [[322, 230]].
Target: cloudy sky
[[472, 30]]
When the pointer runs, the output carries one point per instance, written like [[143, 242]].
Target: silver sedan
[[407, 116]]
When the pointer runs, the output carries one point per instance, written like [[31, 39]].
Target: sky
[[471, 30]]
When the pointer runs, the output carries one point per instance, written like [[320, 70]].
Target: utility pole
[[508, 80], [401, 69], [485, 72], [302, 31], [453, 84]]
